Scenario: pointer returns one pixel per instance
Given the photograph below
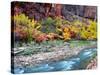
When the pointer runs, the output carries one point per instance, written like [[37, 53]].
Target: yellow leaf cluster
[[66, 34], [89, 32]]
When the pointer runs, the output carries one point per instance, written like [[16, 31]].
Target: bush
[[21, 20], [60, 23], [79, 30], [51, 29], [89, 32], [48, 25], [26, 26]]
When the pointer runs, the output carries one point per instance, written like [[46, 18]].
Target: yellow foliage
[[82, 30], [58, 29], [89, 32], [66, 34], [74, 28], [77, 23]]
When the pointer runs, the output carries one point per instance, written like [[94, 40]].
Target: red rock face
[[90, 12], [39, 11], [58, 9]]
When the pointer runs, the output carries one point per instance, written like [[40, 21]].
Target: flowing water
[[77, 62]]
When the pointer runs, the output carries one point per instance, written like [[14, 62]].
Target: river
[[77, 62]]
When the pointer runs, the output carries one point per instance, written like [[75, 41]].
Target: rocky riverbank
[[57, 54], [92, 64]]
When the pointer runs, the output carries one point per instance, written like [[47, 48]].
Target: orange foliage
[[41, 38], [21, 32]]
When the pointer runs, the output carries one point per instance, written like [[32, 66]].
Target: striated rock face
[[75, 9], [40, 11], [90, 12], [72, 12]]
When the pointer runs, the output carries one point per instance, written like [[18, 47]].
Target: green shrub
[[48, 25], [59, 21]]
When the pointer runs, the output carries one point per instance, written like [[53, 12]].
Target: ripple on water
[[68, 64], [62, 65], [41, 68], [87, 53], [75, 59]]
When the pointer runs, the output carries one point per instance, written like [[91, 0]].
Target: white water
[[73, 63]]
